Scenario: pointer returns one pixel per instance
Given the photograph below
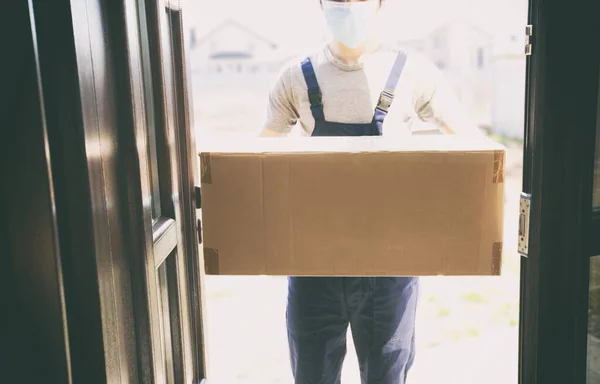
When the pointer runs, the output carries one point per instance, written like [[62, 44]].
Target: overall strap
[[314, 92], [387, 95]]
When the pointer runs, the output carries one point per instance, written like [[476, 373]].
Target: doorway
[[106, 73]]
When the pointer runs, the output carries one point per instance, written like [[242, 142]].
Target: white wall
[[508, 98]]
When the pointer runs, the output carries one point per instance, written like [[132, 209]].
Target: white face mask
[[350, 22]]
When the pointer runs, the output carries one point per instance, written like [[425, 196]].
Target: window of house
[[480, 58], [192, 38]]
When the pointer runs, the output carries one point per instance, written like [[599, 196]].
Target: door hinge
[[528, 40], [524, 212]]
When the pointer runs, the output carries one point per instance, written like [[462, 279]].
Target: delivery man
[[347, 89]]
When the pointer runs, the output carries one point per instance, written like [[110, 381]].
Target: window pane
[[593, 358]]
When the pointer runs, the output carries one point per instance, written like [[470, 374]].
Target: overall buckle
[[385, 101]]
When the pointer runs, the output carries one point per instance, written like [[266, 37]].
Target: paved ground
[[489, 359], [467, 327], [247, 344]]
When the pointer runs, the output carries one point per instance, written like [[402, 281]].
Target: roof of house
[[233, 23]]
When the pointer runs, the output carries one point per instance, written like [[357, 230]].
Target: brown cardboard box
[[362, 206]]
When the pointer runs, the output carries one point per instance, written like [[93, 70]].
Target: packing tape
[[211, 261], [498, 167], [496, 258], [206, 169]]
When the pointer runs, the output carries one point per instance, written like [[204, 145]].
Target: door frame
[[560, 128]]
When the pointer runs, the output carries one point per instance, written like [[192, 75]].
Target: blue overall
[[379, 310]]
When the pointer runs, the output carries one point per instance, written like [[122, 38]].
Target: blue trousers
[[380, 312]]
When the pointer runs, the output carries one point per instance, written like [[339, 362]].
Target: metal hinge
[[528, 40], [524, 212]]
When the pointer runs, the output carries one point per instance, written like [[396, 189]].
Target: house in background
[[463, 52], [234, 48]]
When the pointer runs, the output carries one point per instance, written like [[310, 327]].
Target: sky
[[299, 22]]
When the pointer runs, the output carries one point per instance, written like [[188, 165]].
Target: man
[[347, 89]]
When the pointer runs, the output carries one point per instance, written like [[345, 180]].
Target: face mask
[[350, 22]]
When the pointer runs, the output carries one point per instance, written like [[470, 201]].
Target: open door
[[124, 169], [166, 150], [560, 222]]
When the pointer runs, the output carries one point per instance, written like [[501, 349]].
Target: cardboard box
[[361, 206]]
